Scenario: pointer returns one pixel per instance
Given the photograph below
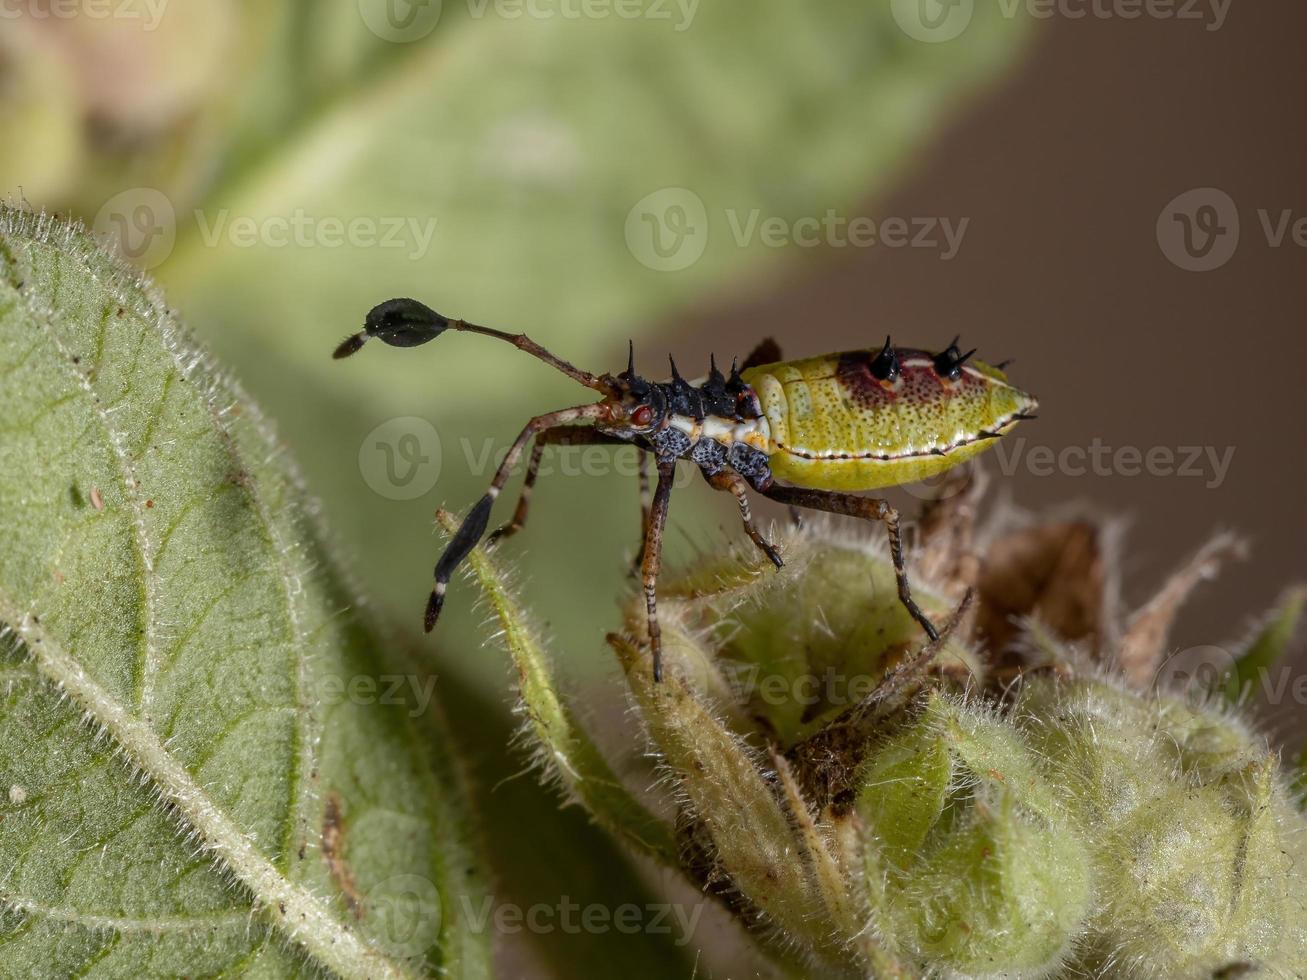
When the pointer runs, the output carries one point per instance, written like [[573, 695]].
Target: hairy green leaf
[[204, 766]]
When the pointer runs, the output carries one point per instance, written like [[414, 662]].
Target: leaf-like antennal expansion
[[407, 323], [399, 323], [404, 323]]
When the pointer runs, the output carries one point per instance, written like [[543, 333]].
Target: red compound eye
[[642, 416]]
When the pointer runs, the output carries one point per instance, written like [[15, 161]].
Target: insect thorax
[[715, 443], [716, 423]]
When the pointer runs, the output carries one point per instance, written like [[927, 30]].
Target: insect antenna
[[407, 323]]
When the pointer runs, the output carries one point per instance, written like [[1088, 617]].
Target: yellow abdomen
[[835, 426]]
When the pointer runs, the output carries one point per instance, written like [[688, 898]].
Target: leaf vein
[[155, 925], [306, 918]]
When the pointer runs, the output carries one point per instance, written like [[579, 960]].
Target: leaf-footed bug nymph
[[805, 433]]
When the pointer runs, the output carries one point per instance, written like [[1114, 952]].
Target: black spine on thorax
[[718, 397]]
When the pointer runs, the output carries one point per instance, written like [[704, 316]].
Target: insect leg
[[563, 435], [524, 498], [646, 498], [733, 483], [652, 561], [869, 509], [474, 524], [646, 493]]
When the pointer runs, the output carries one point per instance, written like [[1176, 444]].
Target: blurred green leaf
[[199, 774], [1268, 643]]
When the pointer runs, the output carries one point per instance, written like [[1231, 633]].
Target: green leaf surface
[[199, 773]]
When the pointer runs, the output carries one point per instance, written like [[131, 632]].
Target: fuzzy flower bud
[[869, 803]]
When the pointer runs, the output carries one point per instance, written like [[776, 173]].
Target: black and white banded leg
[[869, 509], [474, 524]]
